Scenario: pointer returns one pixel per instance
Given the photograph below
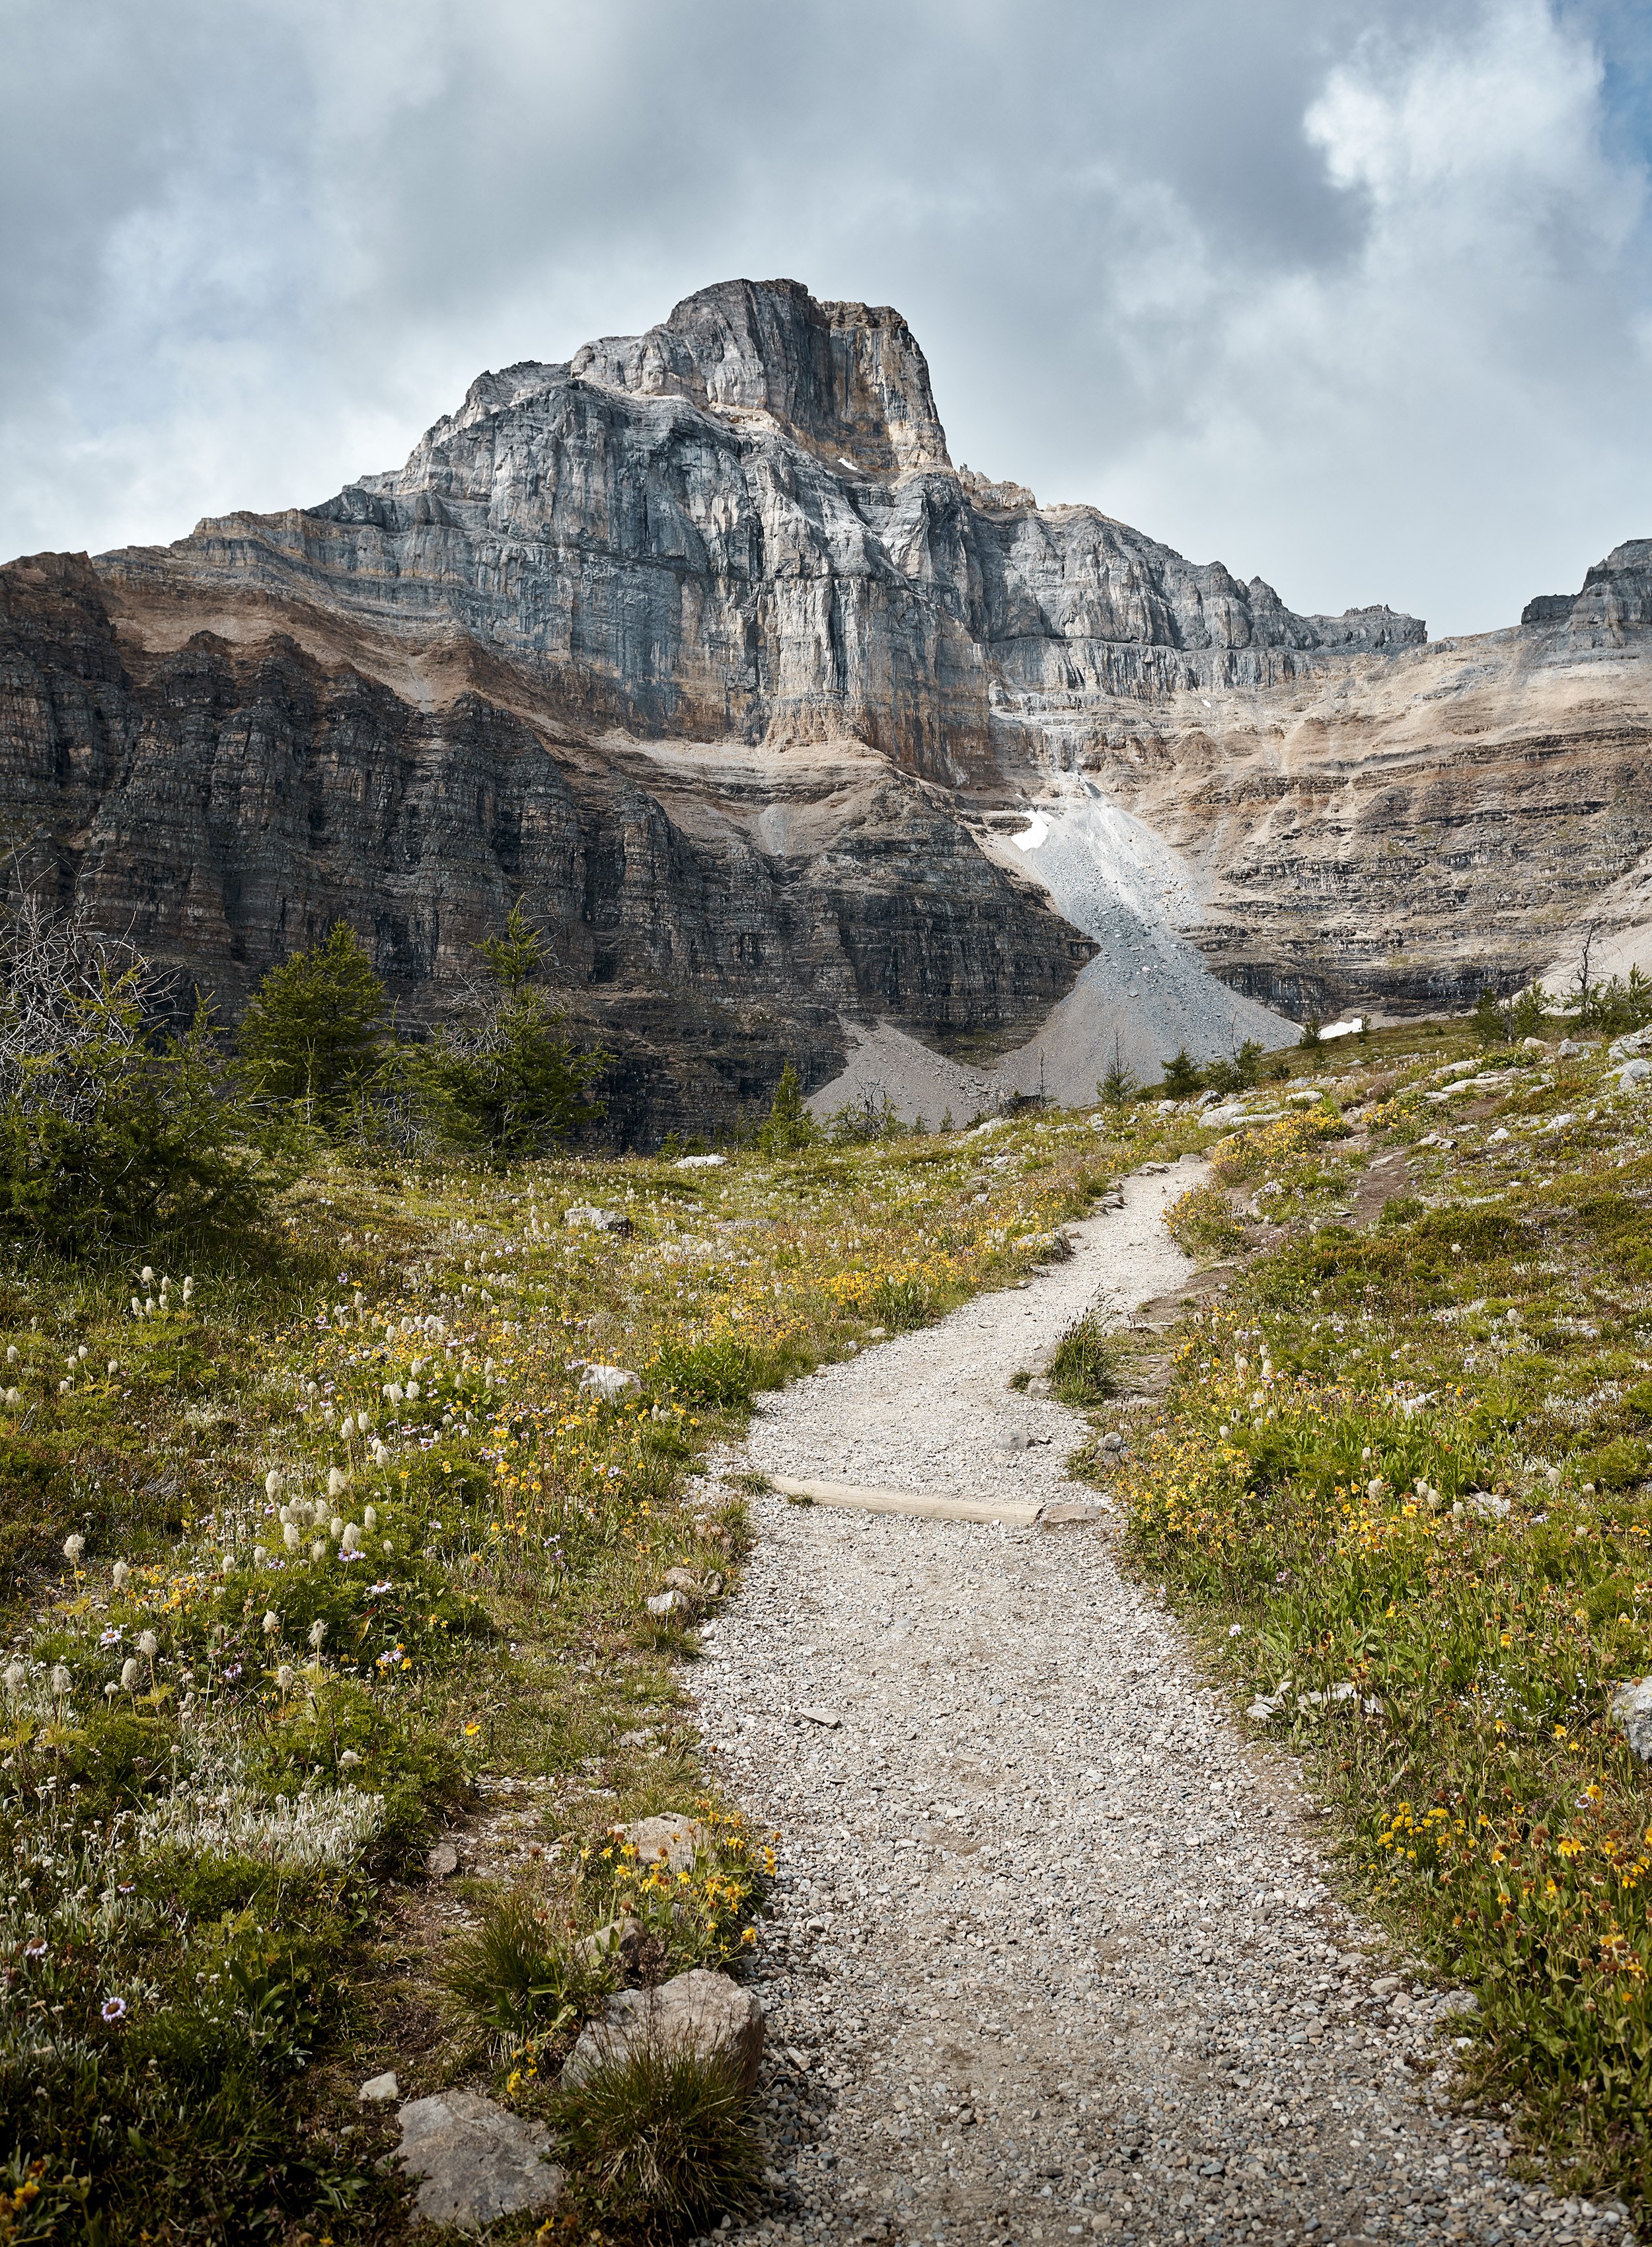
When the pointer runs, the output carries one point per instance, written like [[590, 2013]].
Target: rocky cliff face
[[744, 524], [1402, 834], [223, 801], [699, 645]]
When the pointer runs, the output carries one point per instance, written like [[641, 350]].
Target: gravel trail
[[1051, 1956]]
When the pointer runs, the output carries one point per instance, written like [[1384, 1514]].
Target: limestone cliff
[[699, 643]]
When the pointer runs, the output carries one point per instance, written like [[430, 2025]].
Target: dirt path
[[1051, 1956]]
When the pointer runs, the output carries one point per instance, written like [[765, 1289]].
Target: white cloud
[[1354, 296], [1450, 416]]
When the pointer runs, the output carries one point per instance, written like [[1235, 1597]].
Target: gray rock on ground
[[1632, 1706], [475, 2159], [701, 2011], [674, 1838]]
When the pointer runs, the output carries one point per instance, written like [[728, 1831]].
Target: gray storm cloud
[[1356, 297]]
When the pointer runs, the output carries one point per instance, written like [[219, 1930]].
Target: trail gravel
[[1054, 1952]]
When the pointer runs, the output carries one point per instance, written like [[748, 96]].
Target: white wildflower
[[260, 1554], [370, 1517], [16, 1675], [12, 1354], [336, 1527], [129, 1674], [137, 1307], [61, 1681], [73, 1546], [283, 1678], [348, 1760], [114, 1366], [348, 1430], [272, 1622], [119, 1575], [318, 1549], [412, 1390], [350, 1542], [275, 1483], [318, 1633], [148, 1645], [146, 1277], [338, 1482], [290, 1535]]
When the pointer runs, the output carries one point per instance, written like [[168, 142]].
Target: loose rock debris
[[1052, 1954]]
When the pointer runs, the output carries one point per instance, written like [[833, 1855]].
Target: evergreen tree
[[788, 1124], [515, 958], [515, 1072], [1182, 1078], [1118, 1088], [1489, 1024], [310, 1033]]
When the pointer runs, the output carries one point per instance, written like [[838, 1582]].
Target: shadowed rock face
[[222, 803], [700, 646]]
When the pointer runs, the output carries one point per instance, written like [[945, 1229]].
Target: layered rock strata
[[223, 801], [699, 645]]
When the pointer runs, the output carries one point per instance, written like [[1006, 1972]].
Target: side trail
[[1051, 1955]]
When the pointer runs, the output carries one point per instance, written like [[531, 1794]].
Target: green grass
[[212, 1822], [1084, 1365], [661, 2140], [1405, 1468]]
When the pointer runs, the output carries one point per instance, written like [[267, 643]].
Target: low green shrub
[[1202, 1222], [721, 1371]]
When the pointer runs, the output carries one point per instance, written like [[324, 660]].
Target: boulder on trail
[[700, 2012]]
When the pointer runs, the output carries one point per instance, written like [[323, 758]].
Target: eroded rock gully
[[1053, 1954]]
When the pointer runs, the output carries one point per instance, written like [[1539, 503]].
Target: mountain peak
[[848, 380]]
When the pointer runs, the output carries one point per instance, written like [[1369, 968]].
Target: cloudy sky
[[1357, 297]]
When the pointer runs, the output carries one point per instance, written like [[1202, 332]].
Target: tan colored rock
[[673, 1839], [701, 2011], [618, 1943]]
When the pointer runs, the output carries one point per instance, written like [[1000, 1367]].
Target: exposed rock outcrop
[[699, 645]]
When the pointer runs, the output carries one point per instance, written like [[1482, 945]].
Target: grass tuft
[[513, 1979], [664, 2137], [1084, 1365]]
